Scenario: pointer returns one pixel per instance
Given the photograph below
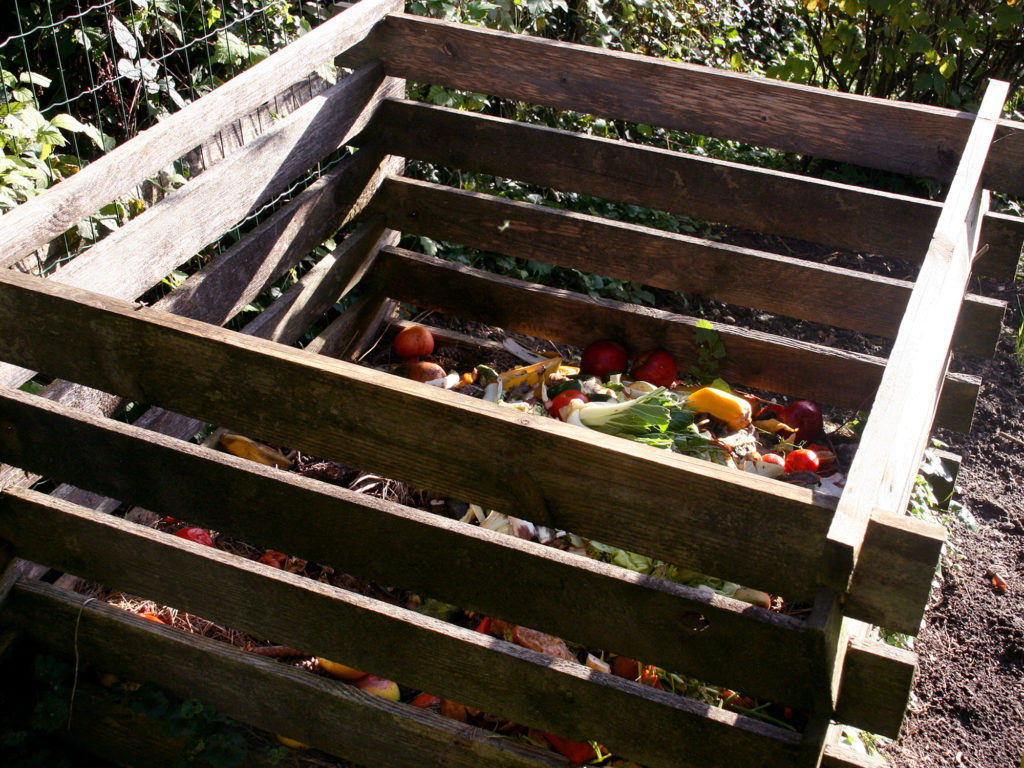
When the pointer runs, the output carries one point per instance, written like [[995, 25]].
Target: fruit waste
[[646, 404]]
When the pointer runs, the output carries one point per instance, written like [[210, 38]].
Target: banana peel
[[244, 447], [529, 375]]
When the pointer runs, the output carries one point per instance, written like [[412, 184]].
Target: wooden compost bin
[[858, 560]]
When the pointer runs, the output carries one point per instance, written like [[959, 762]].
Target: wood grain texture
[[138, 255], [784, 285], [450, 661], [753, 359], [904, 138], [875, 687], [839, 755], [596, 485], [1006, 158], [221, 289], [34, 224], [826, 212], [896, 597], [715, 639], [900, 419], [325, 713]]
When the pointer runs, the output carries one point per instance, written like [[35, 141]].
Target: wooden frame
[[852, 560]]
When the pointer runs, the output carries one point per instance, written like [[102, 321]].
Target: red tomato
[[805, 417], [773, 458], [578, 752], [426, 701], [603, 358], [656, 366], [802, 460], [196, 534], [414, 341], [274, 558], [563, 398]]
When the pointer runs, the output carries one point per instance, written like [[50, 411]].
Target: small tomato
[[656, 366], [773, 458], [802, 460], [196, 534], [274, 558], [563, 398]]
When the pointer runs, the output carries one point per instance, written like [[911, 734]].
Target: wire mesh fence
[[79, 77]]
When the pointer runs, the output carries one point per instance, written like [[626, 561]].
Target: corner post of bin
[[883, 473]]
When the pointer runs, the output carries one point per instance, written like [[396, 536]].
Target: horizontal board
[[722, 641], [596, 485], [875, 686], [347, 722], [44, 218], [826, 212], [896, 598], [904, 138], [220, 290], [456, 663], [732, 274], [138, 255], [754, 359]]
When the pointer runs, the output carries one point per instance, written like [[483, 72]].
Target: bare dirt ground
[[968, 707]]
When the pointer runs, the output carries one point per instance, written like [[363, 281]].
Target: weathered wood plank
[[34, 224], [596, 485], [222, 288], [839, 755], [347, 722], [896, 598], [1006, 158], [837, 215], [755, 359], [129, 261], [450, 661], [784, 285], [875, 686], [895, 136], [721, 641], [900, 420]]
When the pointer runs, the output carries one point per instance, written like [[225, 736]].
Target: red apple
[[656, 366]]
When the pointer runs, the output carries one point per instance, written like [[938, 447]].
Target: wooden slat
[[450, 661], [837, 215], [885, 467], [129, 261], [44, 218], [754, 359], [896, 598], [905, 138], [221, 289], [347, 722], [780, 284], [842, 756], [599, 486], [876, 683], [722, 641], [1006, 158]]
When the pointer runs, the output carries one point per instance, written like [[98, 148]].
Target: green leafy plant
[[29, 163], [710, 352]]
